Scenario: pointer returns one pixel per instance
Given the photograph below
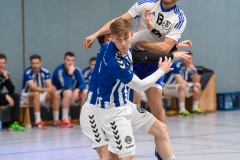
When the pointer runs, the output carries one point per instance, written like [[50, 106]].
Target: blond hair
[[120, 27]]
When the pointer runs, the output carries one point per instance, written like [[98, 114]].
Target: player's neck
[[167, 7]]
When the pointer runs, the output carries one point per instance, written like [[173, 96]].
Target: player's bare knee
[[197, 85], [181, 86], [160, 130], [56, 96], [36, 95], [67, 93]]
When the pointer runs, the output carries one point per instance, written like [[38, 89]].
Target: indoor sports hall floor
[[215, 136]]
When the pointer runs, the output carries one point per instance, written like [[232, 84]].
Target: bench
[[24, 117]]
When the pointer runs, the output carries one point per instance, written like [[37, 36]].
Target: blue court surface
[[215, 136]]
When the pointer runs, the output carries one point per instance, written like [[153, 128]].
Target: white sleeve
[[138, 8], [178, 28], [141, 85], [137, 36]]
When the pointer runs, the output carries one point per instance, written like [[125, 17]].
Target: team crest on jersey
[[128, 139], [140, 109], [166, 25], [120, 62]]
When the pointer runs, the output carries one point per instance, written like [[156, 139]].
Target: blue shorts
[[142, 70]]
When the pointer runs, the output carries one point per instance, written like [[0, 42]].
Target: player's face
[[169, 2], [2, 64], [188, 61], [69, 61], [91, 65], [36, 64], [122, 42]]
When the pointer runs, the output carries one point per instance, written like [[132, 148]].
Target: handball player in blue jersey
[[117, 116]]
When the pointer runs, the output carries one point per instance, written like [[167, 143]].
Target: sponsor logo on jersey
[[156, 33]]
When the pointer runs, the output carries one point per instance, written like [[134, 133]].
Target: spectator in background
[[68, 80], [87, 71], [12, 99], [183, 82], [38, 90]]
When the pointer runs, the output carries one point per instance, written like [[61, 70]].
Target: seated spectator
[[87, 71], [38, 90], [182, 82], [12, 99], [68, 80]]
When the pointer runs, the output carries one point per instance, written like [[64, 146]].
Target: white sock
[[65, 112], [182, 106], [195, 105], [37, 117], [55, 115], [172, 157]]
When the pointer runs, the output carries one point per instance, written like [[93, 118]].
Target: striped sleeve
[[178, 27]]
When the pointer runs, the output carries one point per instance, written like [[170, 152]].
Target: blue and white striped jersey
[[62, 80], [115, 71], [87, 75], [168, 23], [38, 78], [178, 69], [93, 85]]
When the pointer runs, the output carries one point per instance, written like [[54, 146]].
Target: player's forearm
[[10, 87], [38, 89], [159, 47], [105, 29], [149, 57], [144, 84]]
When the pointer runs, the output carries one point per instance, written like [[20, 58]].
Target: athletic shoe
[[157, 155], [41, 125], [185, 114], [67, 123], [57, 123], [198, 111], [16, 127]]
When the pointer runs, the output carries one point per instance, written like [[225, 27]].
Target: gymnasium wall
[[52, 27]]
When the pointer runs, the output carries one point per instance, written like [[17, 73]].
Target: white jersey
[[167, 23]]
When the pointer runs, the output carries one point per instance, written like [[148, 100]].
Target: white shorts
[[119, 123], [172, 90], [42, 98], [90, 126]]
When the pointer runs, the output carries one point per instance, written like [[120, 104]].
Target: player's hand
[[186, 43], [5, 74], [166, 65], [181, 54], [10, 100], [88, 41], [148, 19], [52, 90], [71, 69]]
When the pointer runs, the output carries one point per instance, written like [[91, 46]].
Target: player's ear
[[131, 34], [112, 39]]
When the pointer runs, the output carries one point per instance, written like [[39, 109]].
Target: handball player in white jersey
[[169, 23]]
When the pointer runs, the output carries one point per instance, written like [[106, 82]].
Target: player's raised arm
[[88, 41]]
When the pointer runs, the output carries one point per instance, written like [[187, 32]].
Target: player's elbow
[[165, 50]]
